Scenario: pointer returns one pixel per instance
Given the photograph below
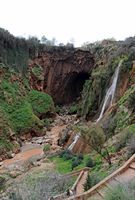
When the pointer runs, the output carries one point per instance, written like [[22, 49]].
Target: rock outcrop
[[61, 73]]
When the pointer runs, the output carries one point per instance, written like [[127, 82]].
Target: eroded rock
[[61, 73]]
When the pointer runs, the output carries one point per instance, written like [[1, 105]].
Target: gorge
[[51, 97]]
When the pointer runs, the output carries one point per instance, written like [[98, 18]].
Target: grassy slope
[[19, 107]]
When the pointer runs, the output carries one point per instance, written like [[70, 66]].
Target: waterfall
[[71, 146], [110, 92]]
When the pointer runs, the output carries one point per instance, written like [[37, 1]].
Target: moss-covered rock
[[24, 119], [41, 102], [37, 70]]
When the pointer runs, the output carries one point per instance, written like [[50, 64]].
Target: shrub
[[73, 109], [47, 148], [75, 163], [131, 101], [24, 119], [131, 146], [47, 122], [80, 156], [124, 137], [66, 154], [122, 192], [91, 181], [37, 71], [41, 102], [2, 182], [90, 163], [45, 185]]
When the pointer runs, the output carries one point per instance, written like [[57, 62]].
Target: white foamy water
[[71, 146], [109, 97]]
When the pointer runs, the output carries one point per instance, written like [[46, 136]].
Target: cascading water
[[71, 146], [110, 92]]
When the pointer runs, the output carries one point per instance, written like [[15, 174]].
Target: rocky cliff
[[61, 73]]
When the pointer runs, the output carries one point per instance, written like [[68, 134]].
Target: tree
[[47, 42], [94, 136], [43, 39]]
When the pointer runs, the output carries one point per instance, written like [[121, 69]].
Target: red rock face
[[63, 73]]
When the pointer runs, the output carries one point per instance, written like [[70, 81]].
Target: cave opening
[[74, 86]]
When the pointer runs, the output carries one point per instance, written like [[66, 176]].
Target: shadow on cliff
[[61, 73]]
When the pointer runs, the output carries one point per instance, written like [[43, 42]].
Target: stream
[[32, 150]]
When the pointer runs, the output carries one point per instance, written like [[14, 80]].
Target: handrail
[[93, 190]]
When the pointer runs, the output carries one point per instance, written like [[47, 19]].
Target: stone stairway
[[80, 185]]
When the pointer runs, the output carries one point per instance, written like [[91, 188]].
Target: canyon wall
[[61, 73]]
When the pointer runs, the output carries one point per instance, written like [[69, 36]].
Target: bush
[[24, 119], [45, 185], [122, 192], [90, 163], [80, 156], [131, 101], [2, 182], [37, 71], [73, 109], [91, 181], [66, 154], [131, 146], [124, 137], [47, 148], [75, 163], [47, 122], [41, 102]]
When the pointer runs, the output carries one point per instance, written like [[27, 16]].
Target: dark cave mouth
[[74, 86]]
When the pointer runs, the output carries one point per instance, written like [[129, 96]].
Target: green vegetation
[[64, 166], [126, 110], [41, 185], [37, 71], [2, 182], [46, 148], [19, 108], [95, 138], [73, 109], [41, 102], [91, 181], [24, 119], [125, 136], [122, 192], [90, 162]]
